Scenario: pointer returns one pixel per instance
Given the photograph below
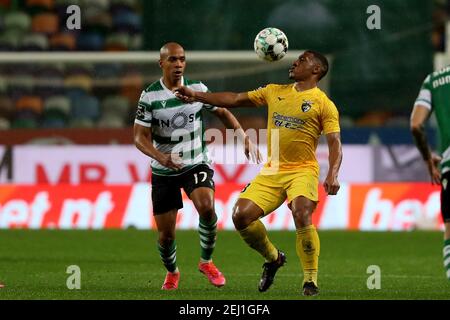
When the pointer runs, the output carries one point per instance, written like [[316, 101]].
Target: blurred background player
[[434, 96], [298, 113], [170, 132]]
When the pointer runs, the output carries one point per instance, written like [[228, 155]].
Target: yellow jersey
[[295, 122]]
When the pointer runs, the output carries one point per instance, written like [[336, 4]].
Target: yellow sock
[[255, 235], [308, 250]]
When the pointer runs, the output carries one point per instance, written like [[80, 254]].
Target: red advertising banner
[[396, 206]]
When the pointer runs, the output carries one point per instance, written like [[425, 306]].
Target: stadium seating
[[25, 118], [48, 18], [57, 96], [111, 121], [33, 103], [34, 42], [85, 107], [56, 112], [55, 92], [7, 107], [115, 105], [63, 42], [117, 42], [4, 124], [39, 6], [90, 41], [47, 23], [18, 21], [60, 103], [5, 4]]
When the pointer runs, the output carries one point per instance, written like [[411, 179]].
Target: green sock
[[208, 236], [168, 256], [446, 252]]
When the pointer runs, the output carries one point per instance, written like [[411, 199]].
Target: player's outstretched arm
[[418, 117], [331, 183], [220, 99], [142, 141]]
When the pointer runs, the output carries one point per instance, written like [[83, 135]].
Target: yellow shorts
[[270, 191]]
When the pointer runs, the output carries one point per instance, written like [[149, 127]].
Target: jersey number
[[202, 173]]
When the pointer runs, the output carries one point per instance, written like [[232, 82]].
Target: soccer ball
[[271, 44]]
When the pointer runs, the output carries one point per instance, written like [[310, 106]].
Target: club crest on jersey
[[163, 103], [306, 105]]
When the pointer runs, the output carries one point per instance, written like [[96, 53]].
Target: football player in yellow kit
[[298, 114]]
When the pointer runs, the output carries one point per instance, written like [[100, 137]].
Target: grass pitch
[[124, 264]]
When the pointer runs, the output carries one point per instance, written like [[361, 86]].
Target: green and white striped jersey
[[177, 127], [435, 95]]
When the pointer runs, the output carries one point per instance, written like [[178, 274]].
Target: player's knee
[[240, 219], [205, 208], [166, 238], [302, 217]]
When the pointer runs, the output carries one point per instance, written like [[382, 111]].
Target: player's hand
[[252, 152], [170, 160], [331, 185], [433, 169], [185, 94]]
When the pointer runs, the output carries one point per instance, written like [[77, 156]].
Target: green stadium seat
[[54, 118], [4, 124], [60, 103], [115, 105], [24, 124], [17, 21], [34, 42], [10, 40], [136, 42], [111, 121], [100, 4]]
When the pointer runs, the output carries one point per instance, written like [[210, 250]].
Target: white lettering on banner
[[405, 215], [20, 213], [335, 210], [39, 208], [139, 208], [383, 214], [375, 215], [85, 214]]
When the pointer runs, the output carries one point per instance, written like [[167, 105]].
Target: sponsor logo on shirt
[[287, 122]]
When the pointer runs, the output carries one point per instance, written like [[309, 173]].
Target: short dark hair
[[322, 60]]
